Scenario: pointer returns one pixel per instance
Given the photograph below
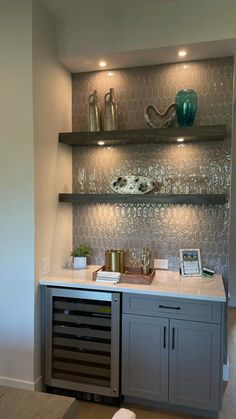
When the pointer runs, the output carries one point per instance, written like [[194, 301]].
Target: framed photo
[[190, 262]]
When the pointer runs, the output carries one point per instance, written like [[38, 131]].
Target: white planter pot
[[80, 262]]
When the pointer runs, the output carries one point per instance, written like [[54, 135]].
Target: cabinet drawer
[[205, 311]]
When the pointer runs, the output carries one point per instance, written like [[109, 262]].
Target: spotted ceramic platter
[[132, 184]]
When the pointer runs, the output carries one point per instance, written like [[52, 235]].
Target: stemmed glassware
[[81, 178], [134, 260], [92, 181]]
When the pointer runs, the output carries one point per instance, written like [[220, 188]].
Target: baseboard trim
[[38, 384], [22, 384], [171, 407]]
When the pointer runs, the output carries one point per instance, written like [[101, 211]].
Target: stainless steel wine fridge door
[[82, 340]]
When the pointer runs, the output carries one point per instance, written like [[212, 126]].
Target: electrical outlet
[[160, 263], [46, 262]]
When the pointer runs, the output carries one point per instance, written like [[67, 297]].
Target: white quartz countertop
[[165, 283]]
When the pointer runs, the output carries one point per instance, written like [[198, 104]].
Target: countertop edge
[[119, 288]]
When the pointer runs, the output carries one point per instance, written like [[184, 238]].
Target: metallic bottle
[[146, 261], [94, 117], [110, 113]]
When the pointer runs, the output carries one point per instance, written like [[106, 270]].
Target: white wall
[[35, 105], [17, 195], [53, 162]]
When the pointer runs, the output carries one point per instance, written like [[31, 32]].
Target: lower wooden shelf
[[196, 199]]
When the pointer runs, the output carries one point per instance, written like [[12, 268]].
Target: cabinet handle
[[172, 308], [173, 338], [164, 339]]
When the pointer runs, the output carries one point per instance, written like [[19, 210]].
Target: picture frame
[[190, 262]]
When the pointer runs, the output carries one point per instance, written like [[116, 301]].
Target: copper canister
[[115, 261], [107, 260], [122, 260]]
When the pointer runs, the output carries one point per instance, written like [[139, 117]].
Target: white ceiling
[[85, 25], [152, 56]]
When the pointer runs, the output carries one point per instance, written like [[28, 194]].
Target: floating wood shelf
[[145, 136], [196, 199]]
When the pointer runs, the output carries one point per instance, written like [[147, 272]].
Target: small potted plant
[[80, 254]]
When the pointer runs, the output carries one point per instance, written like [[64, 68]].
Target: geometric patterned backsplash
[[163, 228], [189, 168], [135, 88]]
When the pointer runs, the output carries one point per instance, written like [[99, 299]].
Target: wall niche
[[163, 228]]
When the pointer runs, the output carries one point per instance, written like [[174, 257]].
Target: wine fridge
[[82, 340]]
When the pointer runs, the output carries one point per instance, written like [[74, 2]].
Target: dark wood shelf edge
[[145, 136], [195, 199]]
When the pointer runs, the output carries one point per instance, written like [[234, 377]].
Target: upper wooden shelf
[[145, 136]]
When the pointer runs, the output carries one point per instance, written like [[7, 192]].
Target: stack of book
[[105, 276]]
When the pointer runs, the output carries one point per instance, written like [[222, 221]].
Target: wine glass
[[81, 178], [134, 260], [92, 179]]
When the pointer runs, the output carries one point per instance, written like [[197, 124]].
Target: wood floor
[[97, 411], [17, 403]]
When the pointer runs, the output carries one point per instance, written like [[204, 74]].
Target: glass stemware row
[[168, 180], [82, 179]]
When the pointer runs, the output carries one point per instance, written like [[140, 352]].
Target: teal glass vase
[[186, 106]]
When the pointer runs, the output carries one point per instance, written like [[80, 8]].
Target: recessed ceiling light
[[182, 53], [110, 73], [102, 63], [101, 143], [180, 140]]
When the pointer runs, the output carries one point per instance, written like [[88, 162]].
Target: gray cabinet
[[145, 357], [172, 359], [194, 374], [177, 308]]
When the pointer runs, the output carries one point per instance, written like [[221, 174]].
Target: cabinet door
[[194, 377], [145, 357]]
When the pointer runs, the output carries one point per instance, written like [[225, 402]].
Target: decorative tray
[[131, 276], [132, 184]]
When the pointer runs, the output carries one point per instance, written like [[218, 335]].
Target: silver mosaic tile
[[163, 228], [135, 88], [191, 168]]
